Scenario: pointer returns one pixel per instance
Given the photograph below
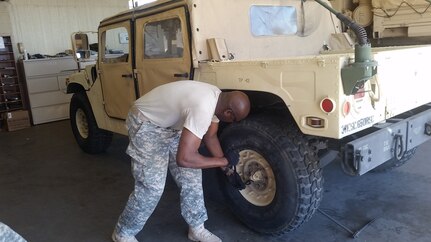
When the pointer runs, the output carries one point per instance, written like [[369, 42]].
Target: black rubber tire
[[394, 163], [95, 140], [298, 177]]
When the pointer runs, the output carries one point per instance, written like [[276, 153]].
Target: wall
[[5, 25], [45, 26]]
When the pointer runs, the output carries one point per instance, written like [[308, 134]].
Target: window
[[273, 20], [163, 39], [116, 45], [136, 3]]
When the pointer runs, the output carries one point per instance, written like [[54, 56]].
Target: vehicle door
[[115, 66], [162, 49]]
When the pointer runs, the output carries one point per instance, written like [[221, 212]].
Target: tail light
[[327, 105], [346, 108], [315, 122]]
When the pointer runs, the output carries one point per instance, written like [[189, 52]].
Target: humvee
[[316, 95]]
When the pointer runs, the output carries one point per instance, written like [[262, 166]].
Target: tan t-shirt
[[181, 104]]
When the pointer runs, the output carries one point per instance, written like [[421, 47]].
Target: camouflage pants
[[8, 235], [153, 151]]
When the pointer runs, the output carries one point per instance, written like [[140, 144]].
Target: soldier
[[166, 127], [7, 234]]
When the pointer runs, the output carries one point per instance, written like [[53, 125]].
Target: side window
[[273, 20], [116, 45], [163, 39]]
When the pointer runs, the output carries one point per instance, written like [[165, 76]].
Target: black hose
[[359, 31]]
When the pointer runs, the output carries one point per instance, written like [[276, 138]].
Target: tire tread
[[303, 160], [99, 139]]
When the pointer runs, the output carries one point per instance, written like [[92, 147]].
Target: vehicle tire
[[287, 182], [89, 137], [394, 163]]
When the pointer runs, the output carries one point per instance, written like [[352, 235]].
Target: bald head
[[232, 106]]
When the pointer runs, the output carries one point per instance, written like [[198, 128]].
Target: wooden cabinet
[[11, 91]]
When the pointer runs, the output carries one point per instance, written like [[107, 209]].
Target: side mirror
[[84, 53], [80, 45]]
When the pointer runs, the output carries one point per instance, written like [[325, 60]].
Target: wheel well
[[269, 105], [74, 88], [264, 101]]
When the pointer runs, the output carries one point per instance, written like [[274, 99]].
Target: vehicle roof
[[229, 22], [142, 10]]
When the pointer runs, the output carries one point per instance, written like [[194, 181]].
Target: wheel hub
[[81, 123], [259, 177]]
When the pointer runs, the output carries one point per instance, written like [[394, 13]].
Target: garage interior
[[51, 190]]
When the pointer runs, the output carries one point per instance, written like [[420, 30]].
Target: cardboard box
[[16, 120]]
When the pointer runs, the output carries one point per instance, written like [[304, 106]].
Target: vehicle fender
[[79, 81]]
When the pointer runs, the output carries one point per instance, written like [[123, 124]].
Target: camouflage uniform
[[8, 235], [153, 149]]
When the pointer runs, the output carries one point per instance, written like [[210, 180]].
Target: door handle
[[127, 75], [185, 75]]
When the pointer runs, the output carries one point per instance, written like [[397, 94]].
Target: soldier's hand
[[233, 177], [232, 157]]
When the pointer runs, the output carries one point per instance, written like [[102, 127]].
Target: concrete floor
[[52, 191]]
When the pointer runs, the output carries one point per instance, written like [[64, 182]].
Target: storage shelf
[[9, 85], [9, 109], [11, 101], [11, 92], [6, 78]]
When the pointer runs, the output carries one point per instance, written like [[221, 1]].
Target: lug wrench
[[352, 233]]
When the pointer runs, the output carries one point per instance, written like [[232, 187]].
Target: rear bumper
[[387, 141]]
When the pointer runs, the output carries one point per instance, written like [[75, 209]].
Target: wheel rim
[[259, 177], [81, 123]]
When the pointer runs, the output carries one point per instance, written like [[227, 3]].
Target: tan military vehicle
[[314, 97], [391, 22]]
